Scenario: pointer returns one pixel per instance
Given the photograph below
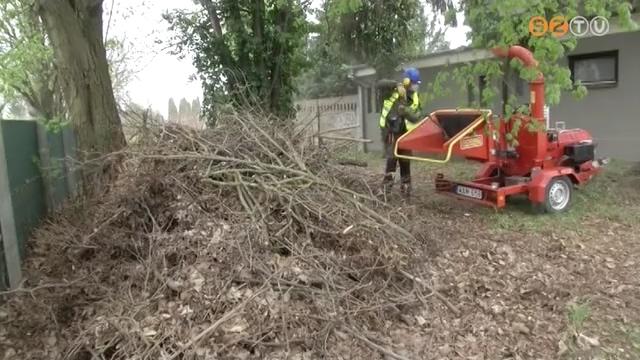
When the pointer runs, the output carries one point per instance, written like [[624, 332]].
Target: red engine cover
[[567, 137]]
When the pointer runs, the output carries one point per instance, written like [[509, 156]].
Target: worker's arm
[[408, 113], [415, 103], [412, 113], [386, 107]]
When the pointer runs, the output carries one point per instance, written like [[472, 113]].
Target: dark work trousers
[[392, 160]]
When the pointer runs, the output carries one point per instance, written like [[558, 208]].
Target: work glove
[[401, 91], [402, 110]]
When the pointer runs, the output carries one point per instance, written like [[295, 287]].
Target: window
[[369, 101], [595, 70], [520, 86]]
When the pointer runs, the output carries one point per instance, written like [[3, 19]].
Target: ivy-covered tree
[[246, 52], [75, 32]]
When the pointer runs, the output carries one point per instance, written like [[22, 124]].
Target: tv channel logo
[[558, 26]]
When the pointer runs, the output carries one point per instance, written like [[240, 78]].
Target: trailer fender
[[541, 178]]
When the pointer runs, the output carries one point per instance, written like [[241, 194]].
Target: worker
[[400, 113], [412, 83]]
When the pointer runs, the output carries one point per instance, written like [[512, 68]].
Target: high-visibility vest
[[386, 107], [415, 107], [388, 104]]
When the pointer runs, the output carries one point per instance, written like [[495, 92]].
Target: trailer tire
[[558, 195]]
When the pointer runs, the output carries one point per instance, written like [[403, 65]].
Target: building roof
[[461, 54]]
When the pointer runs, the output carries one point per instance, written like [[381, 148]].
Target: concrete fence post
[[318, 127], [360, 119], [8, 223], [45, 165]]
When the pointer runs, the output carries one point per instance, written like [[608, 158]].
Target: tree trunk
[[282, 25], [74, 28], [227, 58], [258, 30]]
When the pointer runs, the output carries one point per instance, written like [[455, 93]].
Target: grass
[[633, 335], [616, 340], [577, 314], [609, 196], [612, 196]]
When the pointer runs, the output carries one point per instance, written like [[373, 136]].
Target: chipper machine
[[543, 163]]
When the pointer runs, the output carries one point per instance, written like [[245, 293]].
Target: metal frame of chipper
[[543, 164]]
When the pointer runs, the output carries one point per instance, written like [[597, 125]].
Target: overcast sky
[[163, 75]]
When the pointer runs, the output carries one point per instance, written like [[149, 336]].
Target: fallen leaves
[[520, 327], [196, 280], [187, 252]]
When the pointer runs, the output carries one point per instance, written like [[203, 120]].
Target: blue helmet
[[413, 75]]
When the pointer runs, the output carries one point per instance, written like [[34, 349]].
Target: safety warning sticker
[[470, 142]]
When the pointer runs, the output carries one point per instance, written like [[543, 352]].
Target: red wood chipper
[[542, 163]]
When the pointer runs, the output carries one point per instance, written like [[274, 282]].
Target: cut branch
[[373, 345], [435, 292]]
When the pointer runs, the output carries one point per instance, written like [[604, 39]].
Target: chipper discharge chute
[[519, 155]]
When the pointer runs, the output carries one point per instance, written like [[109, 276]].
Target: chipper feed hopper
[[543, 164]]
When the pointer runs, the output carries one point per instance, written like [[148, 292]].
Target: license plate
[[469, 192]]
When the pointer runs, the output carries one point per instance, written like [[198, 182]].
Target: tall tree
[[246, 52], [74, 28], [341, 24], [196, 108], [184, 111], [121, 66], [379, 33], [173, 111], [26, 61], [130, 45]]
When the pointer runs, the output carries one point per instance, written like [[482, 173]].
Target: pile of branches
[[241, 241]]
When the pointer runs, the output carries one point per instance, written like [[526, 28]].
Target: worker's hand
[[402, 110], [384, 133], [402, 91]]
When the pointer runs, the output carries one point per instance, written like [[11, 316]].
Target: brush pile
[[238, 242]]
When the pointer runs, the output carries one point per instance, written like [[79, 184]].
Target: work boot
[[387, 183], [405, 190]]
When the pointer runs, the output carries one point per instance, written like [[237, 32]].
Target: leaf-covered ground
[[532, 286], [163, 263]]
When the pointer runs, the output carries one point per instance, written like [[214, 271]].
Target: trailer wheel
[[558, 194]]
